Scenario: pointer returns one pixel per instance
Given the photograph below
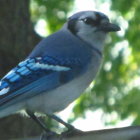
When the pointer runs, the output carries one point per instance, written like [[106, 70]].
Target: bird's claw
[[51, 135], [71, 131], [48, 135]]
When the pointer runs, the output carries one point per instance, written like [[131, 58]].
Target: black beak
[[109, 27]]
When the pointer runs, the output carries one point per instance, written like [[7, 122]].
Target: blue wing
[[34, 76]]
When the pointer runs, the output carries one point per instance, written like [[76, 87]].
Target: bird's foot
[[48, 135], [71, 131], [52, 135]]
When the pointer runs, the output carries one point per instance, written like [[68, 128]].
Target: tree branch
[[126, 133]]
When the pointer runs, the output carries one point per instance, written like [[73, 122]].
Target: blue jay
[[59, 68]]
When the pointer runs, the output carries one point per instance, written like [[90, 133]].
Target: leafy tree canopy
[[116, 88]]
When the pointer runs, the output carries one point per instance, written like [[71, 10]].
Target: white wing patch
[[12, 76], [52, 67], [9, 73], [4, 91]]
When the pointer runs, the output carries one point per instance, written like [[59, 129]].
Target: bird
[[59, 68]]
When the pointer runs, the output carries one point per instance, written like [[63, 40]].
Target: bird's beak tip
[[110, 27]]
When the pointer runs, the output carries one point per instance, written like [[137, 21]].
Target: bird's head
[[91, 26]]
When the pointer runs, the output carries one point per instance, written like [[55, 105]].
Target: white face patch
[[4, 91], [88, 32], [52, 67]]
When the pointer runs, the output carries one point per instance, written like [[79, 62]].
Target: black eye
[[90, 21]]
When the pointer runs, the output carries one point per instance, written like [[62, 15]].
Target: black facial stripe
[[91, 21], [71, 25], [100, 16], [95, 22]]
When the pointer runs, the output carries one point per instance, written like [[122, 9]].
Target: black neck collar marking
[[72, 25], [97, 50]]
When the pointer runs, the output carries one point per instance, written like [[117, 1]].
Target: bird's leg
[[69, 126], [71, 129], [49, 133], [40, 123]]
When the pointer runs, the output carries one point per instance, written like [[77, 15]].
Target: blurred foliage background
[[116, 89]]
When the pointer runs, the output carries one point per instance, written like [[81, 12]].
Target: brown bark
[[17, 38], [126, 133]]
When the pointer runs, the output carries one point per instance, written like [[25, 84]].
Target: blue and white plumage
[[60, 67]]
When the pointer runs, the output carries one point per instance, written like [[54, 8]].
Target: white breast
[[61, 97]]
